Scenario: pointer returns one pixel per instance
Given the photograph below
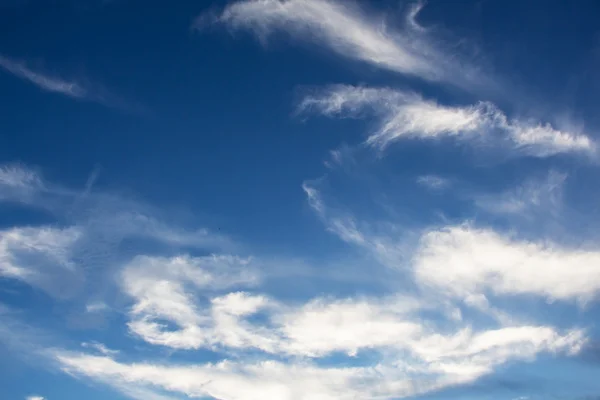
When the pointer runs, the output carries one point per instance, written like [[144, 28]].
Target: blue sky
[[299, 200]]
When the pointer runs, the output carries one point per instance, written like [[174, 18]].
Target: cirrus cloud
[[403, 115]]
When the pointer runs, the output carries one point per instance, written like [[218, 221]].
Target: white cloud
[[35, 398], [276, 347], [442, 361], [45, 82], [323, 326], [58, 259], [29, 253], [413, 13], [96, 306], [408, 115], [225, 380], [101, 348], [19, 183], [531, 197], [543, 140], [461, 260], [318, 328], [466, 263], [348, 31], [158, 286], [80, 90], [17, 176], [433, 182], [387, 249]]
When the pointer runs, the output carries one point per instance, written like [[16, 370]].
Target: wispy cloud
[[96, 307], [463, 260], [431, 359], [43, 81], [36, 255], [352, 33], [268, 345], [90, 229], [19, 183], [408, 115], [35, 398], [18, 176], [528, 199], [76, 89], [469, 357], [101, 348], [433, 182]]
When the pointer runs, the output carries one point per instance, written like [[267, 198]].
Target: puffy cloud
[[411, 353], [158, 286], [408, 115], [322, 327], [462, 260]]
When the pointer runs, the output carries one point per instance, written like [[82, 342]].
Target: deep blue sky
[[187, 141]]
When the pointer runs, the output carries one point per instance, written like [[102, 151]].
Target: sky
[[299, 200]]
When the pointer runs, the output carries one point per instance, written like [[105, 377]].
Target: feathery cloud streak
[[71, 88], [344, 28], [43, 81], [407, 115]]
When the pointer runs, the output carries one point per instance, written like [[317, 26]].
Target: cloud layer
[[394, 345], [197, 315]]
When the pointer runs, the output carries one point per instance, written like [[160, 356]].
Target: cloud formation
[[100, 348], [233, 332], [233, 380], [407, 115], [75, 89], [527, 199], [86, 237], [458, 261], [347, 30], [43, 81], [393, 345], [433, 182], [37, 255]]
